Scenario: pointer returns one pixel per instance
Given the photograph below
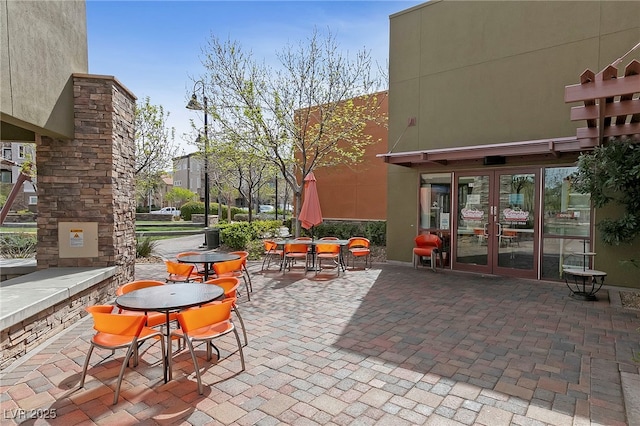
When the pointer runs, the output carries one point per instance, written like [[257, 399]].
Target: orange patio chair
[[232, 268], [359, 247], [104, 309], [115, 331], [203, 325], [271, 251], [230, 287], [198, 267], [244, 255], [293, 252], [326, 252], [509, 236], [181, 272], [479, 232], [310, 247], [154, 319], [428, 246]]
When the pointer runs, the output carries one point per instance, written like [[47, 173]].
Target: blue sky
[[154, 48]]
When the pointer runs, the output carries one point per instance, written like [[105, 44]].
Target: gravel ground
[[630, 299]]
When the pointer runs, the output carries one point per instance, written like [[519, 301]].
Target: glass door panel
[[495, 223], [516, 223], [472, 222]]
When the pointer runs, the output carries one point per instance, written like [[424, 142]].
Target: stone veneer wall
[[87, 179], [91, 178], [27, 335]]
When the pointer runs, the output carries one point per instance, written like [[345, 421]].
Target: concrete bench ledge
[[13, 268], [28, 295]]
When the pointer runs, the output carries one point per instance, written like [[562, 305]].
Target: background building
[[188, 173], [358, 192], [14, 154]]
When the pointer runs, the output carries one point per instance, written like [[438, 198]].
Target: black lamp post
[[194, 104]]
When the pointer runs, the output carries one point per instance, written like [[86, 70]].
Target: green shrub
[[238, 235], [197, 207], [234, 211], [241, 217], [22, 245], [145, 246], [266, 228], [190, 208], [376, 231], [255, 249], [243, 235]]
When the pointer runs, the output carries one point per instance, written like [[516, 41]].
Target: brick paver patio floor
[[387, 345]]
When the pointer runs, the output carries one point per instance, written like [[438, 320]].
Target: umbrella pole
[[313, 253]]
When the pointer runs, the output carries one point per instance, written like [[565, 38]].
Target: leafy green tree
[[611, 174], [155, 147], [309, 113], [178, 196], [248, 171]]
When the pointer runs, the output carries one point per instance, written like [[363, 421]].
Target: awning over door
[[489, 153]]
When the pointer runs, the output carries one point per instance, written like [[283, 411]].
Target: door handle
[[485, 229], [499, 229]]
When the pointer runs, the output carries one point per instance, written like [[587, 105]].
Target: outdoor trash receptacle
[[213, 237]]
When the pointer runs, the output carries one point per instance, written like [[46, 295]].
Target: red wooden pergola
[[611, 104]]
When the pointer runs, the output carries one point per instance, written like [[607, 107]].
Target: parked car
[[265, 208], [167, 210]]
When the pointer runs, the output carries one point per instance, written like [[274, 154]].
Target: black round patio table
[[169, 298], [208, 259]]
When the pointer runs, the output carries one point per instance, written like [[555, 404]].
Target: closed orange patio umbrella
[[310, 213]]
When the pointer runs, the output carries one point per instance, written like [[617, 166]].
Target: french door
[[496, 226]]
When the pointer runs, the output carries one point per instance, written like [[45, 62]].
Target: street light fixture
[[194, 104]]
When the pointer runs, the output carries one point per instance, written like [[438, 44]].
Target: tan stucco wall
[[480, 72], [43, 43], [487, 72]]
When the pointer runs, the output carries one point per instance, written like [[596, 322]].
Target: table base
[[584, 285], [581, 295]]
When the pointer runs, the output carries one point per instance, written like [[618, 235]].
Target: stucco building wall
[[43, 43], [358, 191], [478, 72]]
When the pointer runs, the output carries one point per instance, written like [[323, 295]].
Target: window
[[33, 200], [435, 201], [5, 176], [6, 154], [566, 213], [22, 153], [567, 223]]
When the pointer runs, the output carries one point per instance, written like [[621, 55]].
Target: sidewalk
[[386, 345]]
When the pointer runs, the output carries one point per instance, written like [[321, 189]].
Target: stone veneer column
[[91, 178]]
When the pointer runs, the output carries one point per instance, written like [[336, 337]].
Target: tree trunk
[[298, 204]]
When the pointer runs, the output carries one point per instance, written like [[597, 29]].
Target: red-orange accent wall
[[357, 192]]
